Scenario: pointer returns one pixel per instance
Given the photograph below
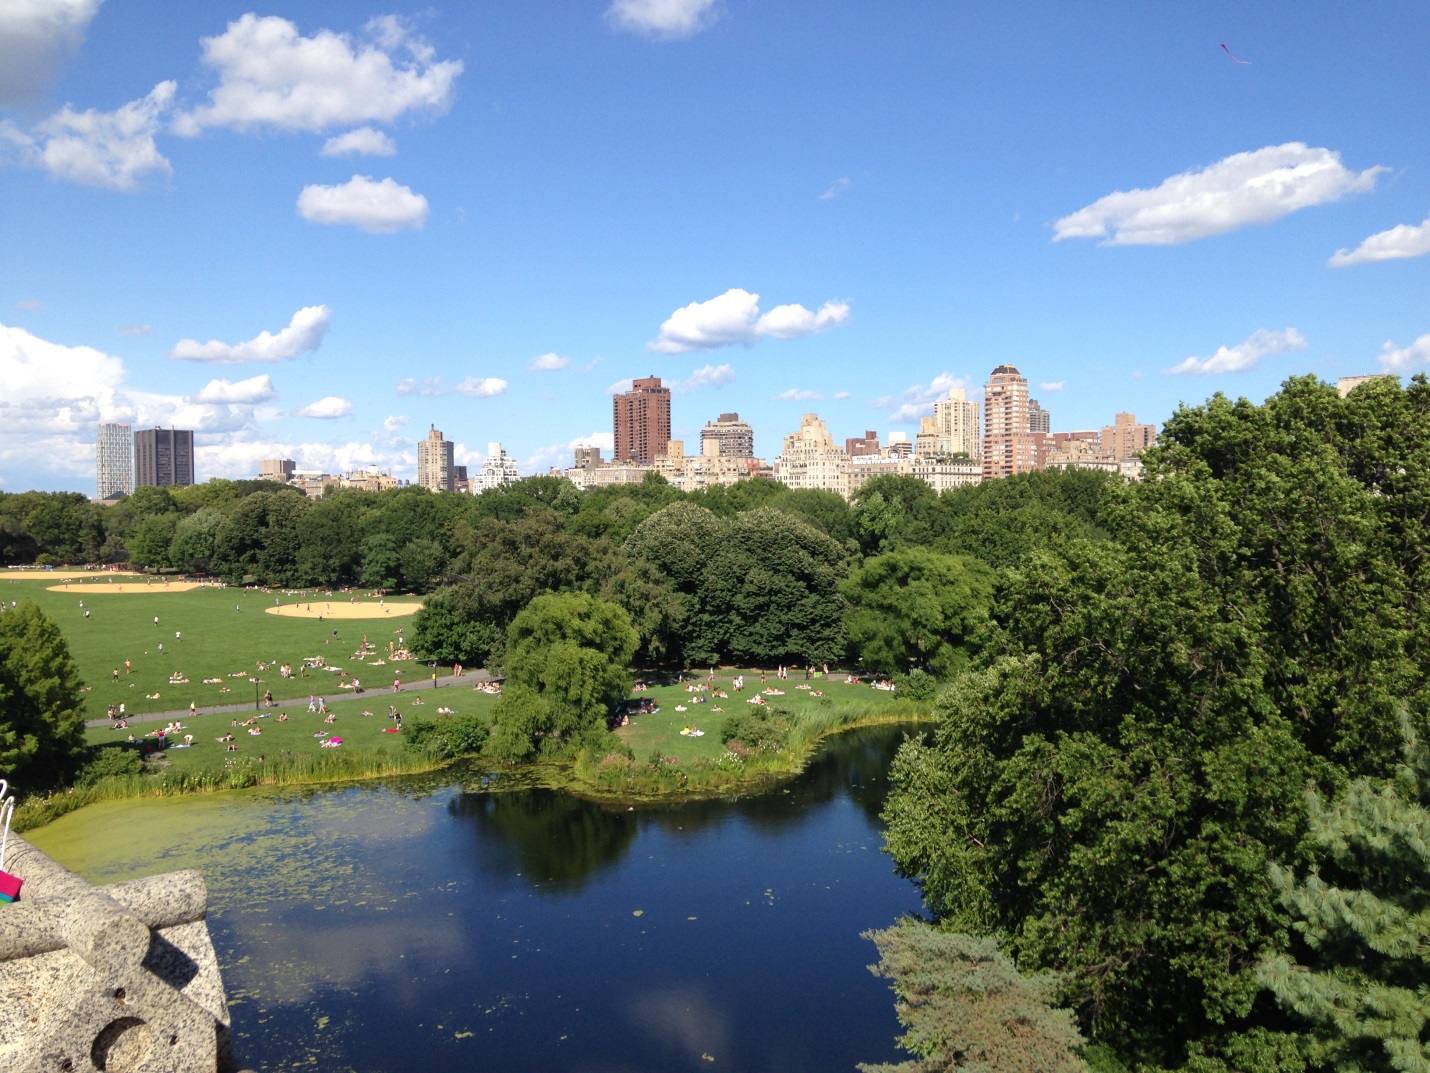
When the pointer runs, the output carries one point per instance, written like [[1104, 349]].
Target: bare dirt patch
[[361, 609]]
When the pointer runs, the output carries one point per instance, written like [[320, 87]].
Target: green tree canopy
[[1363, 918], [915, 606], [568, 665], [41, 712], [1107, 788]]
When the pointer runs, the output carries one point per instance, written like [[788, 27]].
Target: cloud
[[430, 387], [734, 318], [136, 329], [548, 363], [841, 394], [379, 207], [563, 455], [837, 187], [113, 150], [255, 389], [394, 423], [799, 395], [917, 401], [30, 305], [37, 39], [304, 332], [365, 141], [481, 387], [328, 407], [1052, 385], [1245, 188], [620, 387], [707, 376], [1402, 241], [1244, 356], [270, 75], [1403, 359], [55, 394], [666, 19]]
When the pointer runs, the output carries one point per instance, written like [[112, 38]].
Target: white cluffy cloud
[[473, 387], [481, 387], [37, 38], [1052, 385], [1404, 241], [304, 332], [379, 207], [669, 19], [271, 75], [365, 141], [795, 394], [249, 392], [1245, 188], [1244, 356], [328, 407], [563, 454], [108, 149], [917, 401], [548, 363], [136, 329], [734, 318], [706, 376], [1395, 359]]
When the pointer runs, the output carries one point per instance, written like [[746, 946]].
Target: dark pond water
[[419, 926]]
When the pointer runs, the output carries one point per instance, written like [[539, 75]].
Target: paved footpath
[[471, 678]]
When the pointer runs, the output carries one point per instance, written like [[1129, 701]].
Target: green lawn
[[297, 734], [217, 642]]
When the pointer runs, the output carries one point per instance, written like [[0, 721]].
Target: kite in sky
[[1232, 54]]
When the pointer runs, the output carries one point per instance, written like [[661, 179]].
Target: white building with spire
[[497, 470]]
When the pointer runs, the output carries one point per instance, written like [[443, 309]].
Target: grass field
[[215, 641]]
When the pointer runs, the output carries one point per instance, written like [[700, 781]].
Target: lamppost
[[256, 684]]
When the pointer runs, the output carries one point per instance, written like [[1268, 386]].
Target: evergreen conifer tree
[[1365, 917]]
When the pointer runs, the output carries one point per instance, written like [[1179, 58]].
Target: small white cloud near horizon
[[563, 454], [430, 387], [304, 333], [917, 401], [795, 394], [271, 75], [327, 408], [1406, 240], [734, 318], [548, 363], [481, 387], [112, 150], [136, 329], [377, 207], [37, 40], [1395, 359], [394, 423], [620, 386], [248, 392], [1052, 385], [836, 188], [707, 376], [1244, 356], [841, 394], [668, 20], [365, 141], [1255, 187]]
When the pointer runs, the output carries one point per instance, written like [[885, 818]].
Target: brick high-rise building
[[164, 458], [641, 417], [434, 462], [867, 444], [114, 457], [1125, 438], [1009, 447]]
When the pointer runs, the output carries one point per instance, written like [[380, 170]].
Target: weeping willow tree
[[966, 1007], [1364, 916]]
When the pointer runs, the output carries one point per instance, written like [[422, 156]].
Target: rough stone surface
[[121, 979]]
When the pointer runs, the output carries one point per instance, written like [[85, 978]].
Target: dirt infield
[[105, 590], [362, 609], [60, 575]]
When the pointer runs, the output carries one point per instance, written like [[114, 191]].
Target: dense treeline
[[752, 573], [1118, 785]]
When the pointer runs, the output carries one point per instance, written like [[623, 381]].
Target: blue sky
[[314, 229]]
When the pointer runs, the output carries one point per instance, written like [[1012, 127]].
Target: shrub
[[111, 761], [918, 684], [759, 728]]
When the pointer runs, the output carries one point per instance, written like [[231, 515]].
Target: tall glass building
[[115, 459]]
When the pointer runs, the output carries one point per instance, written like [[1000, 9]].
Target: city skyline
[[307, 232]]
